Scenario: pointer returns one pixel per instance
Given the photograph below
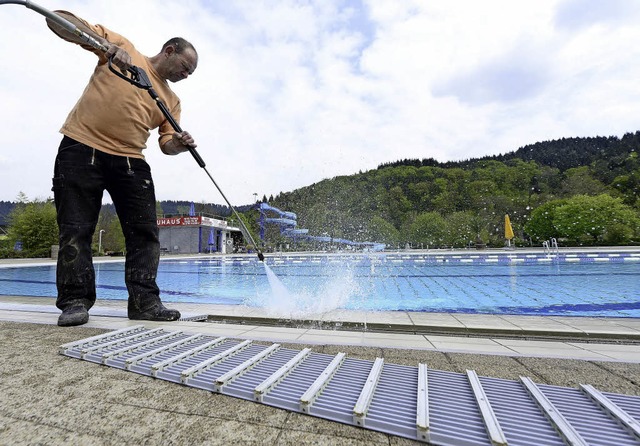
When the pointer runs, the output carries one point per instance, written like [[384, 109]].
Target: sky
[[288, 93]]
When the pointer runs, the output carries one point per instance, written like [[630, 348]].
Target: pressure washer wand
[[138, 78], [201, 163]]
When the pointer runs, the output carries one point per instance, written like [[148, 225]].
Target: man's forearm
[[69, 36]]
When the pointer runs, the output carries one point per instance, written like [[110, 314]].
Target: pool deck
[[595, 339], [46, 398], [598, 339]]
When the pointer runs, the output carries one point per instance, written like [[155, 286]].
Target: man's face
[[180, 65]]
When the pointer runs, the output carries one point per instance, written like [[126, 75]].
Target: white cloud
[[288, 93]]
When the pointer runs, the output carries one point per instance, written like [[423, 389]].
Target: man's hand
[[121, 58], [180, 142], [184, 138]]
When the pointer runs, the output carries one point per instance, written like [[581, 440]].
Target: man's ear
[[169, 50]]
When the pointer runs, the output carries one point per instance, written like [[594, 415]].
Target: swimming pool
[[576, 284]]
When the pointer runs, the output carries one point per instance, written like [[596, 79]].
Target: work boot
[[71, 316], [158, 313]]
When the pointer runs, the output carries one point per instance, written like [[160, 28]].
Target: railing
[[551, 246]]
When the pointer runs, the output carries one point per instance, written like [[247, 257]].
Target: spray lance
[[137, 77]]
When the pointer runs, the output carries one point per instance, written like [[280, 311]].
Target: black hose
[[70, 27]]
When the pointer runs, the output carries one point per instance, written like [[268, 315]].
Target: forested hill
[[388, 202], [563, 154], [390, 199]]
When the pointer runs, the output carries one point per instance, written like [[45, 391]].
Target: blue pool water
[[578, 285]]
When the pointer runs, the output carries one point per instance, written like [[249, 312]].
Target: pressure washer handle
[[137, 76]]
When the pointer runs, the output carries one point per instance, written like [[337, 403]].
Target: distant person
[[104, 136]]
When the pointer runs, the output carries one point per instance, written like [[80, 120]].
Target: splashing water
[[304, 302], [277, 287]]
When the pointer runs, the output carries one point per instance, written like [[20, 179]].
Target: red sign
[[180, 221]]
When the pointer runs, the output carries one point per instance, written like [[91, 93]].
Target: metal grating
[[432, 406]]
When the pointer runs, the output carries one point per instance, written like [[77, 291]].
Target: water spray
[[138, 77]]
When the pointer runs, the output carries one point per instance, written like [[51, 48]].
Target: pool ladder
[[431, 406], [551, 246]]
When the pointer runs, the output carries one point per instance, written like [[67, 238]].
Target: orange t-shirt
[[114, 116]]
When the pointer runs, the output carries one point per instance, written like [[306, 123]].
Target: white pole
[[100, 241]]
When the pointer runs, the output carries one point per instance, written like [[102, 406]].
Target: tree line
[[581, 191], [555, 189]]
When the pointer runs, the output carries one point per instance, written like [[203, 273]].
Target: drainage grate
[[432, 406]]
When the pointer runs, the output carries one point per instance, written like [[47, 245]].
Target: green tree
[[541, 225], [591, 219], [462, 228], [580, 181], [629, 186], [428, 228], [382, 231], [112, 237], [396, 205], [34, 224]]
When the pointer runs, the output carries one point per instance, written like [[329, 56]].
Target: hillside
[[387, 202]]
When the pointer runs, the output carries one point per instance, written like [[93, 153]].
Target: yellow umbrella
[[508, 230]]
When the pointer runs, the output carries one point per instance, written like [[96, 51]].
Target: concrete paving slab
[[466, 340], [629, 322], [417, 342], [572, 372], [551, 345], [433, 359], [322, 339], [621, 356], [362, 352], [444, 320], [489, 347], [504, 366], [321, 431], [486, 322], [274, 336], [571, 352], [277, 331], [409, 338], [609, 347], [607, 330], [20, 431]]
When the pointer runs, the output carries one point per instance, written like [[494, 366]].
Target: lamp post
[[255, 197], [100, 241]]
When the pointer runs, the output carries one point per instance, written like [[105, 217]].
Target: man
[[104, 136]]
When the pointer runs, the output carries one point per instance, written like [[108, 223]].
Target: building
[[196, 234]]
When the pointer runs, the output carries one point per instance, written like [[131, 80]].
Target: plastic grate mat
[[432, 406]]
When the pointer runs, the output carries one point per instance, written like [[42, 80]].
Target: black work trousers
[[81, 176]]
